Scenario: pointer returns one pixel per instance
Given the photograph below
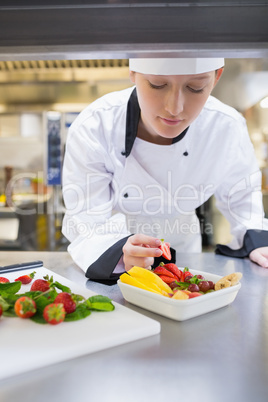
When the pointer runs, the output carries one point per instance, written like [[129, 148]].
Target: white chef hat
[[175, 66]]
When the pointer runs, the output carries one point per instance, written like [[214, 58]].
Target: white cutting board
[[25, 345]]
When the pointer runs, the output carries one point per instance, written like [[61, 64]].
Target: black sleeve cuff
[[101, 270], [253, 239]]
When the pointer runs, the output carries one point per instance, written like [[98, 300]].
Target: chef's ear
[[132, 76], [218, 75]]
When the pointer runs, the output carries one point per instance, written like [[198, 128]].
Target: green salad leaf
[[100, 303], [61, 287], [82, 311], [9, 288]]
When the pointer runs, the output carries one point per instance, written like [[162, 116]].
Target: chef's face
[[170, 103]]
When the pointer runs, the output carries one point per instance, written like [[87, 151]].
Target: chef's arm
[[88, 247], [253, 239], [89, 197], [244, 211], [239, 198], [138, 249], [96, 235], [103, 269]]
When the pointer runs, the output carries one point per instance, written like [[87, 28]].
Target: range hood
[[109, 29], [61, 50], [37, 85]]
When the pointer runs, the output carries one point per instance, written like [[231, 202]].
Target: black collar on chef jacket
[[132, 121]]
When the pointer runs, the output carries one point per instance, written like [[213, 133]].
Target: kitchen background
[[38, 102]]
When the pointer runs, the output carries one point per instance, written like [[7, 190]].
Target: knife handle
[[22, 266]]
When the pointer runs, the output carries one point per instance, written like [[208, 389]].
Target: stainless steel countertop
[[220, 356]]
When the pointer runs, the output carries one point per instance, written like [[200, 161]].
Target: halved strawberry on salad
[[165, 248]]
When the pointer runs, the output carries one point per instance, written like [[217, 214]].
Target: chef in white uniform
[[140, 161]]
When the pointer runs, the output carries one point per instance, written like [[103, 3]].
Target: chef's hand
[[140, 250], [260, 256]]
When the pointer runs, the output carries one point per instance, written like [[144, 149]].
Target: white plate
[[180, 310]]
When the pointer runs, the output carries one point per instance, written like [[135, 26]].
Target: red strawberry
[[166, 279], [67, 301], [174, 269], [25, 279], [185, 273], [165, 248], [3, 279], [1, 310], [41, 285], [25, 307], [160, 270], [54, 313]]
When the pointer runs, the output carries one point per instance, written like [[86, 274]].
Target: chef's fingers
[[140, 251], [138, 262], [260, 256], [141, 239], [262, 261], [137, 251]]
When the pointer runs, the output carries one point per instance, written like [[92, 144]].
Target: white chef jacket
[[115, 184]]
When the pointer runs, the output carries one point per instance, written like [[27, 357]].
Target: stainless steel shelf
[[123, 29]]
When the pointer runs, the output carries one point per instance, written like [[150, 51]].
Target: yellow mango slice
[[150, 277], [149, 284], [130, 280]]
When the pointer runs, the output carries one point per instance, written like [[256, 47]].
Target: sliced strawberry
[[165, 248], [67, 301], [25, 279], [25, 307], [166, 279], [54, 313], [3, 279], [174, 269], [163, 271]]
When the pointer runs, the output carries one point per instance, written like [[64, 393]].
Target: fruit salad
[[180, 284]]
